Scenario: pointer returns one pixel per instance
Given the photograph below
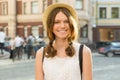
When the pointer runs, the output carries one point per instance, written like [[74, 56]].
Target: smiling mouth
[[62, 30]]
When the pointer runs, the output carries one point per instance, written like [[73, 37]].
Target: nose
[[62, 24]]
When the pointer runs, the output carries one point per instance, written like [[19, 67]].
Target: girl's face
[[61, 27]]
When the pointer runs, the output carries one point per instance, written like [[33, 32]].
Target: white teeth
[[62, 31]]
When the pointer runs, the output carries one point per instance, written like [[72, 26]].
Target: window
[[84, 31], [4, 8], [25, 7], [102, 12], [79, 4], [115, 12], [34, 7], [35, 30]]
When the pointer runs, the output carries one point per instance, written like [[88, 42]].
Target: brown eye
[[56, 22]]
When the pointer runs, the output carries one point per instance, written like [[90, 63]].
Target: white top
[[18, 41], [62, 68], [2, 37]]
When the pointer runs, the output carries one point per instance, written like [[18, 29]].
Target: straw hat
[[53, 6]]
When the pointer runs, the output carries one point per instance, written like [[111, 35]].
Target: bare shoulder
[[39, 65], [86, 51], [39, 54]]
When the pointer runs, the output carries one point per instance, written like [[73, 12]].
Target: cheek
[[53, 30], [69, 30]]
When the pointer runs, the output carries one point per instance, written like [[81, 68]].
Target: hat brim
[[53, 6]]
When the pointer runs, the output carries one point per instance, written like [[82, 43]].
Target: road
[[104, 68], [19, 70]]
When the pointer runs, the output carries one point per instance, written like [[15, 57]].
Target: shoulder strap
[[43, 54], [80, 58]]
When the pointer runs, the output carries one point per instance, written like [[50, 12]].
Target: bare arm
[[87, 63], [39, 66]]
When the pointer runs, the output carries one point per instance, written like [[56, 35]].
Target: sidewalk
[[4, 58], [5, 62], [5, 55]]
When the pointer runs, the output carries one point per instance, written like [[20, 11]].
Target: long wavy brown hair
[[50, 50]]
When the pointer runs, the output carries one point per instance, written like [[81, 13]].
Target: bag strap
[[81, 58], [43, 54]]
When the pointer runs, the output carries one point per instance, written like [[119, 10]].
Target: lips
[[62, 31]]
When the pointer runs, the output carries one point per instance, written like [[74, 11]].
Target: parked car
[[110, 50], [102, 44]]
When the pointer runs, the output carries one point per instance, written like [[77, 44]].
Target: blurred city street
[[104, 68], [17, 70], [98, 25]]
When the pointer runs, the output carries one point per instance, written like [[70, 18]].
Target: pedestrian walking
[[59, 60], [30, 46], [12, 47], [18, 43], [2, 40]]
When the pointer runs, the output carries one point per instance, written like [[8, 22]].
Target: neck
[[60, 44]]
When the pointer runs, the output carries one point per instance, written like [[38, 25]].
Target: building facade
[[22, 17], [106, 20]]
